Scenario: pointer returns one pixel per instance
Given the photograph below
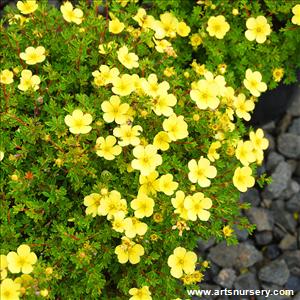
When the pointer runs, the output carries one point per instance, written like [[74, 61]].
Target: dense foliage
[[123, 143]]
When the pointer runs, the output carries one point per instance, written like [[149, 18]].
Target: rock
[[248, 255], [269, 127], [283, 218], [293, 283], [223, 255], [271, 140], [289, 242], [292, 189], [251, 196], [297, 296], [289, 145], [264, 237], [272, 251], [292, 259], [293, 205], [271, 288], [294, 108], [246, 281], [261, 217], [204, 245], [280, 179], [273, 160], [284, 124], [242, 235], [276, 272], [226, 278], [293, 163]]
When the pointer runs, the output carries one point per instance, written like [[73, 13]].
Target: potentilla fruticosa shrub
[[116, 155], [234, 35]]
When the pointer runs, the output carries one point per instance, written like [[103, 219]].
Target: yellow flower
[[182, 261], [258, 140], [9, 290], [79, 122], [140, 294], [143, 19], [199, 69], [123, 86], [201, 171], [227, 231], [128, 134], [107, 147], [92, 202], [278, 73], [161, 45], [70, 14], [166, 26], [244, 152], [152, 88], [217, 26], [196, 206], [161, 141], [22, 260], [235, 11], [115, 26], [167, 185], [258, 29], [296, 12], [176, 127], [204, 93], [212, 151], [112, 205], [169, 71], [44, 293], [158, 218], [105, 76], [33, 55], [6, 77], [105, 48], [243, 107], [242, 179], [183, 29], [146, 160], [149, 184], [114, 110], [129, 60], [3, 266], [134, 226], [178, 204], [27, 7], [142, 205], [162, 105], [196, 40], [129, 251], [28, 81]]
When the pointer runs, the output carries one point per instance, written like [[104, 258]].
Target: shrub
[[117, 156]]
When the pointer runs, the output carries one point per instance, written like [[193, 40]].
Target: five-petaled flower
[[27, 7], [79, 122], [70, 14], [258, 29], [33, 55]]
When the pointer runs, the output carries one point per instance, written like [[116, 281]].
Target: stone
[[246, 281], [297, 296], [271, 140], [282, 218], [294, 108], [204, 245], [272, 251], [276, 272], [293, 163], [226, 278], [293, 205], [280, 179], [264, 237], [289, 145], [293, 283], [292, 189], [289, 242], [292, 259], [248, 255], [272, 288], [269, 127], [242, 235], [261, 217], [251, 196], [223, 255], [273, 159]]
